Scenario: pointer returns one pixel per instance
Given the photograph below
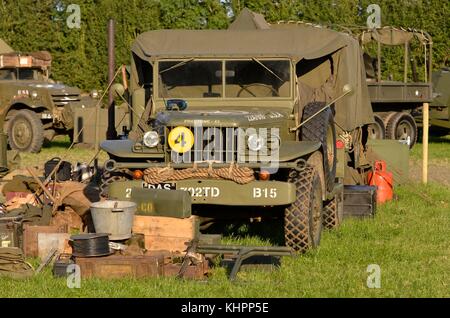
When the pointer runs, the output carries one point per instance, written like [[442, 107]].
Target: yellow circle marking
[[181, 139]]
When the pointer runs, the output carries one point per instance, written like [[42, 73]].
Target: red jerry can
[[383, 180]]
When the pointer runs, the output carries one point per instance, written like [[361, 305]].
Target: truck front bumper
[[217, 192]]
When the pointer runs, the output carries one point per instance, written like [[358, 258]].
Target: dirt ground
[[438, 171]]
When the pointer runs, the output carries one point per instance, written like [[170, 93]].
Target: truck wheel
[[321, 128], [303, 218], [25, 131], [385, 117], [402, 126], [333, 211], [377, 129], [110, 177]]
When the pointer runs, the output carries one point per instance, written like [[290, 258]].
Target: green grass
[[59, 148], [438, 149], [408, 239]]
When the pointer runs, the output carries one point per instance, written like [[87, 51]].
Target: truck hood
[[218, 118], [53, 88]]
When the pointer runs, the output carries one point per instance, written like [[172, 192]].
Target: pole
[[111, 133], [426, 120], [405, 70], [379, 62], [97, 127]]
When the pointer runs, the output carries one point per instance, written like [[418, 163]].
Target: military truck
[[439, 114], [34, 107], [249, 122], [397, 104]]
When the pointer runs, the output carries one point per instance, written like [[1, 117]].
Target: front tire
[[303, 218], [25, 131]]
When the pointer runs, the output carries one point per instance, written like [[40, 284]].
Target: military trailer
[[397, 104], [34, 107], [249, 122]]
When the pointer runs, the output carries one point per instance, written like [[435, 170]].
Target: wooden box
[[47, 241], [197, 271], [118, 266], [166, 233], [30, 237], [173, 263]]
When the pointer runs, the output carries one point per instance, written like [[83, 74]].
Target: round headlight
[[34, 94], [151, 139], [255, 143], [94, 93]]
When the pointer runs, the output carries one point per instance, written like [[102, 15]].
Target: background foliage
[[80, 55]]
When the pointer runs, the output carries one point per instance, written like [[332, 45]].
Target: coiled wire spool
[[90, 245]]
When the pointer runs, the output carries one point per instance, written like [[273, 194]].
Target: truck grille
[[62, 100], [218, 144]]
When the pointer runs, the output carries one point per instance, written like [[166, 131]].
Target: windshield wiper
[[177, 65], [267, 69]]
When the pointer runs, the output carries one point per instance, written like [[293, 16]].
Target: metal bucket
[[114, 217]]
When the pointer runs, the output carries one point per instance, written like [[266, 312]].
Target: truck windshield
[[26, 73], [6, 74], [249, 78]]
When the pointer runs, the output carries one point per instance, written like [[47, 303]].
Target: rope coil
[[240, 175]]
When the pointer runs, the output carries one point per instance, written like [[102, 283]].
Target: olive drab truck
[[397, 104], [250, 122], [34, 107], [439, 114]]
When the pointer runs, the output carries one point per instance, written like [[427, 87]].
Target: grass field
[[409, 239]]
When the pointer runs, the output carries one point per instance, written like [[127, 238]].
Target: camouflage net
[[241, 175]]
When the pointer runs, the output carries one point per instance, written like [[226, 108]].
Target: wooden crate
[[47, 241], [173, 262], [118, 266], [30, 237], [166, 233], [197, 271]]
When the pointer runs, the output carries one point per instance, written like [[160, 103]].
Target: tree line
[[80, 54]]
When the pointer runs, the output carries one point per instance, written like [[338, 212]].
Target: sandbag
[[32, 214], [12, 263], [76, 195]]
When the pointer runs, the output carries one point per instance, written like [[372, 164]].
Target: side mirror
[[176, 104], [118, 90]]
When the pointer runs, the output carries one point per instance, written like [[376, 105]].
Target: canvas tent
[[5, 48], [249, 20], [393, 36]]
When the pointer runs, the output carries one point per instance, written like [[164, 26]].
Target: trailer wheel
[[321, 128], [333, 211], [303, 218], [110, 177], [25, 131], [377, 130], [402, 126]]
